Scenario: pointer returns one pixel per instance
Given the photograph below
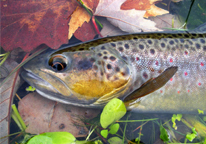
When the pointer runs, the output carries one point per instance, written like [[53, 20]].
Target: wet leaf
[[7, 91], [127, 20], [104, 133], [163, 134], [148, 5], [43, 115], [114, 128], [30, 88], [115, 140], [53, 138], [29, 24], [113, 111]]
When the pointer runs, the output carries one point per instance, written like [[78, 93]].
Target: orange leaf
[[27, 24], [77, 19]]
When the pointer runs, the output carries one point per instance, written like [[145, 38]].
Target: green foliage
[[30, 88], [174, 118], [114, 128], [53, 138], [192, 136], [115, 140], [113, 111], [104, 133], [163, 134], [200, 111]]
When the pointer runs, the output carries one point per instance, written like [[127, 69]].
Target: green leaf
[[114, 128], [115, 140], [113, 111], [30, 88], [53, 138], [163, 134], [104, 133], [200, 111], [190, 137], [174, 118]]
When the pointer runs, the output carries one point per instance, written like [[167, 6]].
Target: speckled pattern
[[134, 59]]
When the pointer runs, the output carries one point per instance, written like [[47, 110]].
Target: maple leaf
[[27, 24], [148, 5]]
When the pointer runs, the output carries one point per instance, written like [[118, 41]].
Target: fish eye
[[58, 62]]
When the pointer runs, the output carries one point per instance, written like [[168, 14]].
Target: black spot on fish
[[126, 46], [84, 65], [103, 48], [95, 67], [132, 59], [141, 46], [152, 51], [171, 42], [162, 45], [120, 49], [112, 58], [124, 57], [113, 44], [99, 54], [149, 42], [92, 60], [81, 49], [105, 57], [197, 46], [120, 43], [186, 35], [145, 75], [117, 69], [61, 126], [186, 46], [105, 52], [134, 50], [109, 66], [202, 41]]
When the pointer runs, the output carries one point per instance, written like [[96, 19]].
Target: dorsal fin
[[151, 85]]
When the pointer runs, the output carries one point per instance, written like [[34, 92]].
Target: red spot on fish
[[171, 79], [199, 84], [186, 73], [161, 91], [171, 60], [202, 64], [157, 63], [137, 58], [178, 91], [186, 52], [188, 90]]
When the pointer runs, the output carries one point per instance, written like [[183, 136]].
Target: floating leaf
[[114, 128], [115, 140], [113, 111], [104, 133]]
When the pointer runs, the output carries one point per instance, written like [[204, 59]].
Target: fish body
[[92, 73]]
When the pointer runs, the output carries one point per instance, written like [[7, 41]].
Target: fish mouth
[[46, 90]]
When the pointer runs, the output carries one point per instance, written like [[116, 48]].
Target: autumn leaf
[[148, 5], [127, 20], [27, 24]]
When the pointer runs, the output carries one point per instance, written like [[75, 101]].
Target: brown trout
[[169, 69]]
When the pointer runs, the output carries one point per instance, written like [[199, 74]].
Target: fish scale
[[94, 72]]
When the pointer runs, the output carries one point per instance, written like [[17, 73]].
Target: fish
[[151, 71]]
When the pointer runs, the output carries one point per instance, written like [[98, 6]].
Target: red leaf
[[27, 24], [85, 32]]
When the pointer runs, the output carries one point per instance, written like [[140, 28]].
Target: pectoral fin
[[151, 85]]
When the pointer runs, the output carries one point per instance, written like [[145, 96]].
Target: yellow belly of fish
[[96, 88]]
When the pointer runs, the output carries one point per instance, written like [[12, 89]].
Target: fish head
[[84, 77]]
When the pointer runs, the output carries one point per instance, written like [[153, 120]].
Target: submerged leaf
[[113, 111]]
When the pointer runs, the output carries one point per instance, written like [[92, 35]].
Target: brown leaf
[[7, 92], [85, 32], [77, 19], [43, 115], [31, 23]]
